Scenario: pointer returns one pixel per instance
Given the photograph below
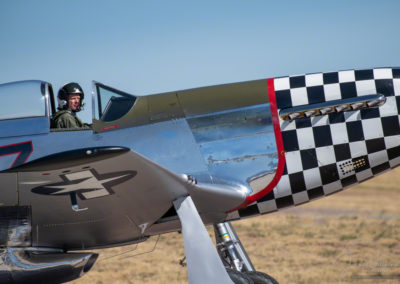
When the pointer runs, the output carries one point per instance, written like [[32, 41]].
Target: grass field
[[349, 237]]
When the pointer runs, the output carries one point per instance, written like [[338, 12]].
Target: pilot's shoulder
[[62, 113], [63, 119]]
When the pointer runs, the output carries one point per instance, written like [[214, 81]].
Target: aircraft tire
[[260, 277], [239, 277]]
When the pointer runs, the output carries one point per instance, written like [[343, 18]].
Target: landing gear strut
[[237, 263]]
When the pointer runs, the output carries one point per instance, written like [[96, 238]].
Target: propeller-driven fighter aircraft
[[181, 160]]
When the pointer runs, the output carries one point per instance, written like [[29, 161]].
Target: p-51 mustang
[[182, 160]]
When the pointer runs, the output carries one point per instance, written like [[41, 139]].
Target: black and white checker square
[[342, 152], [390, 125]]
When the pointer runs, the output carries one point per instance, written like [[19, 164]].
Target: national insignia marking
[[86, 184]]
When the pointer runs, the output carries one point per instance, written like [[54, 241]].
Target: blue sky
[[146, 47]]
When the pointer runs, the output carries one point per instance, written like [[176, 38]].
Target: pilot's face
[[74, 102]]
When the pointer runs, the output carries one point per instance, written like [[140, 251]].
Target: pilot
[[70, 97]]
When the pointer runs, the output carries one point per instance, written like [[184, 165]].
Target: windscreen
[[113, 104]]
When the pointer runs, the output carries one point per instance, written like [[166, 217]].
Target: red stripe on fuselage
[[279, 143]]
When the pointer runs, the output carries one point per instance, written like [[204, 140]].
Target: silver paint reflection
[[238, 146]]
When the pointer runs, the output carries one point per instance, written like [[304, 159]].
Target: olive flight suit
[[66, 119]]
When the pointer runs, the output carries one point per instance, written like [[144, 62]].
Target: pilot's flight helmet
[[65, 91]]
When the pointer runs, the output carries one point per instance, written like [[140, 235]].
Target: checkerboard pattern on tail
[[327, 153]]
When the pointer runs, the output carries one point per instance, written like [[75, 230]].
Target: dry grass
[[349, 237]]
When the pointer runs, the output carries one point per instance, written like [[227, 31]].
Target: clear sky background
[[153, 46]]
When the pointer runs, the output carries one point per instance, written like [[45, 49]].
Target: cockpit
[[28, 107]]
